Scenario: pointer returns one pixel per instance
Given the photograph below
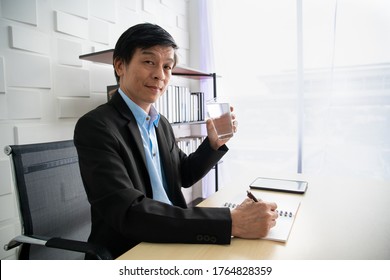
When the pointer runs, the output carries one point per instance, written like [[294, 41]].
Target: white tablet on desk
[[282, 185]]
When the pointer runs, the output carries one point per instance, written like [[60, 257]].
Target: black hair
[[144, 35]]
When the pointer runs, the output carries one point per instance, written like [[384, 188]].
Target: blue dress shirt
[[146, 124]]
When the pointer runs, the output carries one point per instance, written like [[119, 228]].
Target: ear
[[119, 66]]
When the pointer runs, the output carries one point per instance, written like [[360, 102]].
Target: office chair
[[54, 208]]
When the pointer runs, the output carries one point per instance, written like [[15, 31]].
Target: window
[[346, 85]]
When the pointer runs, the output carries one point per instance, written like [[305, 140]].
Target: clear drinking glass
[[219, 113]]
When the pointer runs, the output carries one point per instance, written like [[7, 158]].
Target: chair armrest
[[21, 239], [79, 246], [100, 252]]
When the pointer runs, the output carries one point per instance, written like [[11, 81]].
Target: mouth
[[154, 88]]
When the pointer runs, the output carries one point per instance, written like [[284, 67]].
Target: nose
[[159, 74]]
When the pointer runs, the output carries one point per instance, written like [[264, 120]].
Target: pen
[[251, 196]]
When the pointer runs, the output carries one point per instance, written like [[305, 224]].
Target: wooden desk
[[337, 219]]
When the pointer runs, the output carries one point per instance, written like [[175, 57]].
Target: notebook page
[[287, 210]]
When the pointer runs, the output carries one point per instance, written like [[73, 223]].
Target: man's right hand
[[253, 219]]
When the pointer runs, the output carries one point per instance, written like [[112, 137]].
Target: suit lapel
[[134, 131], [121, 106]]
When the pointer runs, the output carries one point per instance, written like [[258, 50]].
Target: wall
[[45, 87]]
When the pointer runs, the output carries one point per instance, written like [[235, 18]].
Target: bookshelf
[[105, 57]]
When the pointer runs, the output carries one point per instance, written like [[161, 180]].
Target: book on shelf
[[198, 106], [189, 144]]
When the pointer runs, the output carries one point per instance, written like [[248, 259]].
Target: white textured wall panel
[[101, 77], [68, 52], [178, 6], [70, 81], [24, 104], [167, 3], [127, 18], [72, 25], [182, 22], [169, 18], [2, 78], [38, 133], [20, 10], [7, 137], [3, 107], [103, 9], [30, 40], [130, 4], [5, 175], [97, 99], [74, 7], [182, 38], [99, 31], [151, 6], [73, 107], [27, 70], [7, 207], [184, 57]]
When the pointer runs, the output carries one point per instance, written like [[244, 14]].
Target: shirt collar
[[140, 115]]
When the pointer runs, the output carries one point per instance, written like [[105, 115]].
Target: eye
[[149, 62]]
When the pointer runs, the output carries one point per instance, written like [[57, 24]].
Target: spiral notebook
[[287, 210]]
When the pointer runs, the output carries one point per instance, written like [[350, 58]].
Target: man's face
[[146, 76]]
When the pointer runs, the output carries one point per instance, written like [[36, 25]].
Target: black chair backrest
[[52, 198]]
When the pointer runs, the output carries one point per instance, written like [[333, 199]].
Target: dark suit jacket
[[113, 168]]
